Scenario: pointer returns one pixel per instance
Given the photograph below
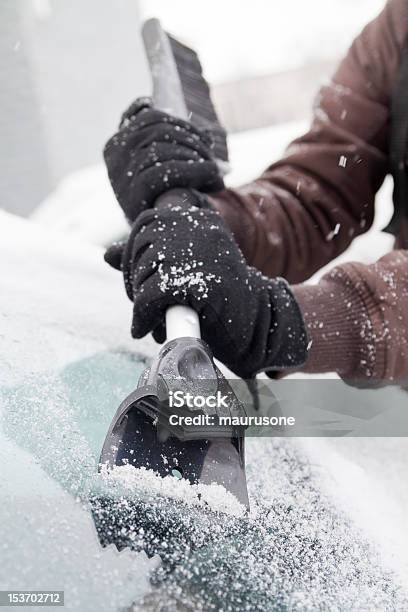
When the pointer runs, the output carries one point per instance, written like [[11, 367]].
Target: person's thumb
[[113, 255]]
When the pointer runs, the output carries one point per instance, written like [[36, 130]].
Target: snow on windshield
[[67, 362]]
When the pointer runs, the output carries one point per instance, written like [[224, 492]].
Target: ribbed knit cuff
[[342, 323]]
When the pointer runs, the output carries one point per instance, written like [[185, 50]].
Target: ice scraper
[[142, 433]]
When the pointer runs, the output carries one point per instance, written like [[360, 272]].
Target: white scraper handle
[[182, 322]]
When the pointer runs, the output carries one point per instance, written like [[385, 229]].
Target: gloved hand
[[189, 257], [154, 152]]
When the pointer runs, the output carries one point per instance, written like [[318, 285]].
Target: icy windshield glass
[[305, 542]]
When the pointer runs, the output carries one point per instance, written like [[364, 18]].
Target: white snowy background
[[64, 333]]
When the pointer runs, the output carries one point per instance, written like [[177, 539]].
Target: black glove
[[189, 257], [154, 152]]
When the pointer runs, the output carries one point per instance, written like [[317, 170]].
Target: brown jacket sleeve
[[305, 210], [357, 320]]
